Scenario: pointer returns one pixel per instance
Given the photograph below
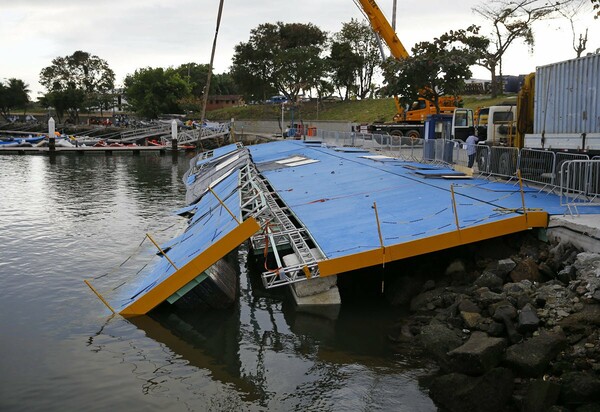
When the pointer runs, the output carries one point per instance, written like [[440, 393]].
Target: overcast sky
[[130, 34]]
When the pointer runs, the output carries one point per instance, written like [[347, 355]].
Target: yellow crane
[[419, 110]]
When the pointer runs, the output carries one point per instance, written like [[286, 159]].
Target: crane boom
[[407, 121], [382, 27]]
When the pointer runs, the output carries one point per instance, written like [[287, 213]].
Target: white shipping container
[[567, 97]]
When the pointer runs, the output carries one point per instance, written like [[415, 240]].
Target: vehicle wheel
[[413, 134], [483, 161], [505, 165], [396, 137]]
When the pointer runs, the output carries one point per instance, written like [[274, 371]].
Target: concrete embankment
[[512, 324]]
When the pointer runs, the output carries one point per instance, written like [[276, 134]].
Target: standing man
[[472, 148]]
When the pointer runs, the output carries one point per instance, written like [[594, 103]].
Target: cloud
[[131, 34]]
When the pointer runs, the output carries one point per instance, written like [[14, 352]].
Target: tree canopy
[[509, 21], [152, 91], [81, 81], [282, 57], [435, 68], [14, 94], [354, 58]]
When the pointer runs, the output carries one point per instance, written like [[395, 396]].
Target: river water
[[67, 218]]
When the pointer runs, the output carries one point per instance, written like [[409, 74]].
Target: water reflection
[[69, 218], [270, 355]]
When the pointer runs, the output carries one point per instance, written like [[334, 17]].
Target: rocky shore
[[517, 332]]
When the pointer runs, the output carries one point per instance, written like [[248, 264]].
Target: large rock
[[519, 293], [437, 340], [456, 392], [528, 320], [582, 321], [532, 357], [501, 268], [489, 280], [579, 388], [402, 289], [486, 297], [527, 269], [478, 355], [432, 299], [471, 320], [541, 395], [502, 310], [588, 262]]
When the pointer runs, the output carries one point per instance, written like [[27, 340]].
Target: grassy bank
[[360, 111]]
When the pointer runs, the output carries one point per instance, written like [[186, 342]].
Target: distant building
[[222, 101]]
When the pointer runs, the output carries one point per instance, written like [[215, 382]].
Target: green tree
[[284, 57], [152, 91], [344, 65], [15, 94], [65, 102], [364, 59], [510, 21], [435, 68], [195, 75], [78, 74], [223, 84]]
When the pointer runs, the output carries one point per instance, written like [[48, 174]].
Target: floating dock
[[317, 211], [106, 150]]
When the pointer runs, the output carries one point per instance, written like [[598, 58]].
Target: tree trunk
[[494, 90]]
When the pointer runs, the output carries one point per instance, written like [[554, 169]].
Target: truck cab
[[495, 125]]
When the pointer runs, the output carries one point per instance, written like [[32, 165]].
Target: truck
[[409, 122], [495, 125], [557, 108]]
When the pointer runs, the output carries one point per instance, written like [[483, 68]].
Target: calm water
[[71, 218]]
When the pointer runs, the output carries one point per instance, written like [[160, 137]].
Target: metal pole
[[210, 66], [522, 193], [99, 296], [454, 207], [282, 136], [161, 251], [379, 232], [51, 136], [174, 135], [224, 206], [394, 16]]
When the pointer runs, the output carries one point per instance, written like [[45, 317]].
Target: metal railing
[[580, 184], [193, 136], [397, 146], [504, 161], [538, 166]]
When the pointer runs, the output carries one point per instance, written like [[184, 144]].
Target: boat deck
[[353, 208]]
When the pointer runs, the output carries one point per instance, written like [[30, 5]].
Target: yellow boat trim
[[185, 274], [433, 244]]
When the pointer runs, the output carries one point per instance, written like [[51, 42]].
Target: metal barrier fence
[[482, 159], [562, 157], [579, 183], [504, 161], [397, 146], [538, 166]]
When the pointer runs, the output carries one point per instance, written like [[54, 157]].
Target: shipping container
[[567, 106]]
